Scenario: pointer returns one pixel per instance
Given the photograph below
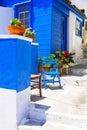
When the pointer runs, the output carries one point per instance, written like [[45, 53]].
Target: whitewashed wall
[[5, 15], [7, 109], [75, 42], [14, 108]]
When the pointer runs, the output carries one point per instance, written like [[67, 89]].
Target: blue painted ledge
[[15, 62]]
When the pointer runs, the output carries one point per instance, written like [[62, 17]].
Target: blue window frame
[[22, 11], [78, 28]]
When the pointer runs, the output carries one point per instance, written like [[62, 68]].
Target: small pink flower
[[19, 22]]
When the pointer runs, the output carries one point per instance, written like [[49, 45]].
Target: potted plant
[[65, 58], [60, 66], [30, 33], [16, 27], [68, 57], [46, 66], [51, 57]]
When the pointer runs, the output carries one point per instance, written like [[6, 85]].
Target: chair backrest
[[53, 64]]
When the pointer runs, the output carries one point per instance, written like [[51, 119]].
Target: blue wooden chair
[[49, 76]]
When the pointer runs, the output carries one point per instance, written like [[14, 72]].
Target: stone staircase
[[45, 120]]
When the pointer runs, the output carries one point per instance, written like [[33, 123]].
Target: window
[[24, 17], [22, 11], [78, 30]]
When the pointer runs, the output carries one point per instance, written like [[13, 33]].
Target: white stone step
[[31, 124], [59, 126], [26, 127], [67, 119], [82, 61], [79, 72], [39, 116], [79, 69], [51, 126], [57, 121]]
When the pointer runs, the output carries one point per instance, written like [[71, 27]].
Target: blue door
[[64, 33]]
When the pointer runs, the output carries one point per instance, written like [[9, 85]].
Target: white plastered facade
[[75, 42]]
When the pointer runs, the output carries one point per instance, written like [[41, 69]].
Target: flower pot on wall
[[19, 30]]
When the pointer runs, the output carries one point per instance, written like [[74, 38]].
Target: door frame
[[64, 32]]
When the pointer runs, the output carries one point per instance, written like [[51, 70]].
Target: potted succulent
[[46, 66], [16, 27], [30, 33]]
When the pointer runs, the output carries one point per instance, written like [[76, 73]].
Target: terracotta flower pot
[[60, 69], [46, 69], [19, 30]]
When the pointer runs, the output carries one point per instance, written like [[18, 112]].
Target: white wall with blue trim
[[75, 41]]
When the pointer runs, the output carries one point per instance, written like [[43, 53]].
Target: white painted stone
[[7, 109], [23, 102], [14, 108], [5, 36]]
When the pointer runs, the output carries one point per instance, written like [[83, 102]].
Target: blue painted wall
[[23, 63], [15, 64], [56, 30], [7, 64], [42, 12], [34, 59], [59, 11]]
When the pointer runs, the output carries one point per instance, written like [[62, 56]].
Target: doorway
[[64, 33]]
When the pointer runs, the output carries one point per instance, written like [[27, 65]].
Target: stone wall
[[84, 39]]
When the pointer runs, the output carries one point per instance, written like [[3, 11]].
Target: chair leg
[[60, 83], [53, 79], [44, 82], [40, 86]]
